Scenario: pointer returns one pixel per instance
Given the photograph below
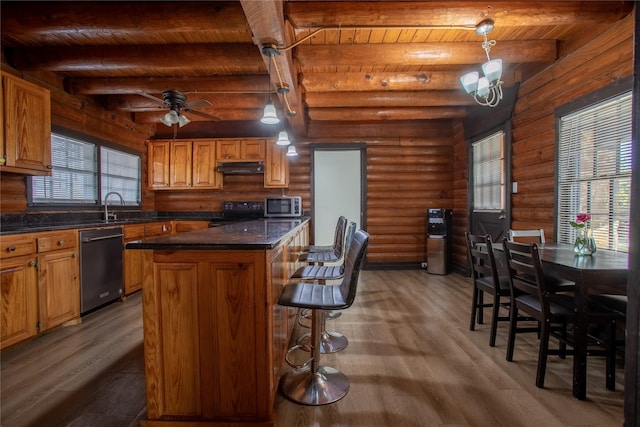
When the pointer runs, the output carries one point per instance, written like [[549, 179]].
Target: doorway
[[490, 184], [338, 178]]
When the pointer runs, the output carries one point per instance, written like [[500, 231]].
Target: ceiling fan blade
[[146, 95], [201, 114], [199, 103]]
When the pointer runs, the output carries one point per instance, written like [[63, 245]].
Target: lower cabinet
[[19, 294], [40, 283]]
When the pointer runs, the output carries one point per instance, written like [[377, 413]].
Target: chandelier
[[486, 90]]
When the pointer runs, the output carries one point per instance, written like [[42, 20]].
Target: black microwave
[[285, 206]]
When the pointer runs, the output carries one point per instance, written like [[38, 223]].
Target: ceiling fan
[[176, 102]]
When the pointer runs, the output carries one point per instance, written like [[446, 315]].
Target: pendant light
[[283, 138], [291, 151], [269, 116]]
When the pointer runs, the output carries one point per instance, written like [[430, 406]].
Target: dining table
[[603, 272]]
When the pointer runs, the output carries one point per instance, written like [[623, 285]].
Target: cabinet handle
[[3, 160], [11, 249], [60, 242], [49, 166]]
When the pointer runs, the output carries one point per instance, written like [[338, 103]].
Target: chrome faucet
[[107, 215]]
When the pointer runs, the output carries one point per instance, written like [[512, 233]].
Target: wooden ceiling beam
[[139, 103], [385, 81], [94, 20], [453, 13], [318, 56], [136, 60], [253, 83], [377, 114], [266, 20], [389, 99]]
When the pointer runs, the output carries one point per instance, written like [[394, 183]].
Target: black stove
[[239, 211]]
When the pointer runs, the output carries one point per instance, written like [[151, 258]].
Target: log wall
[[597, 64]]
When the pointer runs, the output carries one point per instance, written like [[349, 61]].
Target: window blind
[[74, 174], [594, 172], [488, 173], [120, 172]]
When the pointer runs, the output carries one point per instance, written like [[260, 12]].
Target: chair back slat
[[525, 270], [480, 254], [526, 236]]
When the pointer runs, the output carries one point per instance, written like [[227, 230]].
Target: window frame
[[99, 203], [620, 87]]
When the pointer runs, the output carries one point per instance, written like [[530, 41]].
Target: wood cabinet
[[25, 135], [58, 278], [18, 289], [241, 150], [205, 175], [133, 260], [181, 164], [276, 171], [214, 335], [40, 283]]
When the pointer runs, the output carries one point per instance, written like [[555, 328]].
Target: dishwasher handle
[[95, 239]]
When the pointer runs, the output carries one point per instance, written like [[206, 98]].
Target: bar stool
[[311, 383], [342, 222], [330, 342], [334, 253]]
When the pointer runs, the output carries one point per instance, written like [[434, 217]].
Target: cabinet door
[[252, 149], [276, 173], [27, 127], [184, 226], [180, 164], [18, 299], [228, 149], [155, 229], [204, 166], [133, 270], [158, 164], [59, 287]]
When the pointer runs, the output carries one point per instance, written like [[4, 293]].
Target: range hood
[[240, 168]]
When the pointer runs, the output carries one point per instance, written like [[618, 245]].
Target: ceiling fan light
[[183, 120], [283, 138], [170, 118], [269, 116], [493, 70], [291, 151], [470, 82]]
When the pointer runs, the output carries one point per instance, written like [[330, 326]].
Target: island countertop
[[261, 234]]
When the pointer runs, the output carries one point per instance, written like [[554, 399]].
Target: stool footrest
[[297, 365]]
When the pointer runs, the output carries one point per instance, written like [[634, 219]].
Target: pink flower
[[583, 217]]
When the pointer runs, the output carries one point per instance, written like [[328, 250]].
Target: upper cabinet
[[276, 171], [180, 164], [241, 150], [25, 134], [191, 164]]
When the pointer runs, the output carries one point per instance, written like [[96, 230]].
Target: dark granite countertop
[[265, 233]]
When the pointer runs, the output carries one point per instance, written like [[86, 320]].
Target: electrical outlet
[[423, 264]]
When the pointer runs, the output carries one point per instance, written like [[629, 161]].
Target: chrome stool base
[[326, 385], [330, 342]]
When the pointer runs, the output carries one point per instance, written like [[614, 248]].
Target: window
[[594, 171], [84, 172], [488, 173]]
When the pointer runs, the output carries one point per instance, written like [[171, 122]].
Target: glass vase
[[585, 244]]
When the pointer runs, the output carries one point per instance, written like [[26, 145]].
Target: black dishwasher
[[100, 267]]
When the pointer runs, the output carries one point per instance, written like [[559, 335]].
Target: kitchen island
[[214, 336]]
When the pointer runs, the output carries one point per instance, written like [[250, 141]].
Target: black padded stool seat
[[319, 272], [311, 383]]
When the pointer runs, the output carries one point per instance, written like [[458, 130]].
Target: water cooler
[[438, 241]]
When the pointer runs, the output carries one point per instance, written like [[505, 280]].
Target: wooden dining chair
[[552, 311], [486, 280], [527, 236]]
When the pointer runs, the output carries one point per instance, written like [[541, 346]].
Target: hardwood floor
[[411, 360]]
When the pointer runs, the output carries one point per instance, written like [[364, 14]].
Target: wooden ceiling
[[342, 61]]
